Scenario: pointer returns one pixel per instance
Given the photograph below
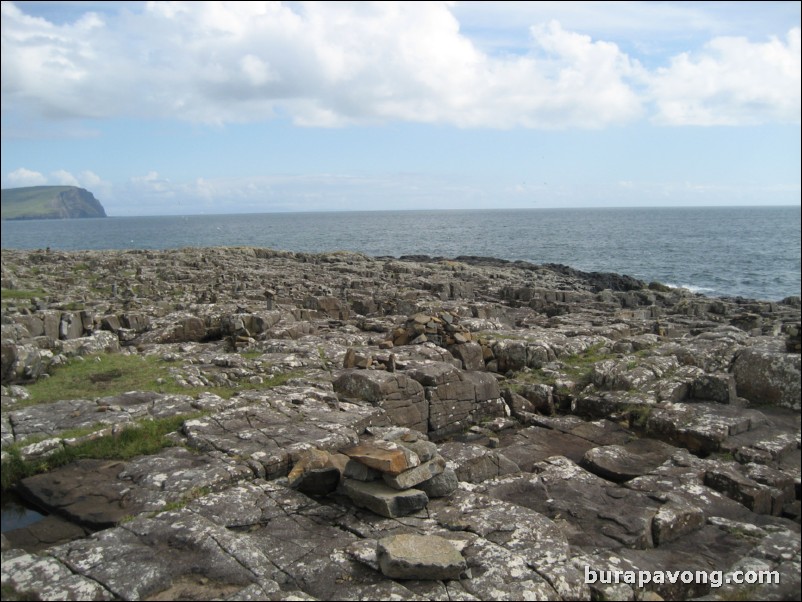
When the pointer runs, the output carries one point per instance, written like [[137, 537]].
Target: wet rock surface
[[444, 429]]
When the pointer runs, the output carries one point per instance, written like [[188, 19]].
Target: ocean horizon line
[[457, 209]]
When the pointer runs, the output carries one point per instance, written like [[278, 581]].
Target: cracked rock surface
[[398, 428]]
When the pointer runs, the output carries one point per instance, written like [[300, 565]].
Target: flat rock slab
[[592, 511], [47, 579], [475, 464], [100, 493], [148, 556], [299, 542], [701, 428], [534, 444], [384, 500], [522, 531], [419, 557], [53, 418], [279, 425], [86, 492], [621, 463]]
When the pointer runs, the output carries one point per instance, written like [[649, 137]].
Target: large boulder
[[457, 399], [768, 376], [401, 397]]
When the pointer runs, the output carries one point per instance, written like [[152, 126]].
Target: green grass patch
[[9, 294], [115, 373], [531, 377], [98, 376], [191, 495], [579, 367], [588, 357], [146, 438]]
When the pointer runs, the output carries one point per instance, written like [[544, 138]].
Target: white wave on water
[[692, 288]]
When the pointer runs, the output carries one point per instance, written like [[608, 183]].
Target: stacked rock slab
[[405, 466], [392, 474]]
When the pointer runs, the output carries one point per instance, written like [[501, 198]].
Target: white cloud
[[153, 183], [25, 177], [90, 179], [64, 178], [86, 179], [733, 81], [332, 64]]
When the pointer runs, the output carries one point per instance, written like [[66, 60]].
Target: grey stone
[[382, 499], [765, 376], [596, 512], [441, 484], [359, 471], [624, 462], [675, 519], [48, 579], [470, 354], [629, 358], [475, 464], [419, 557], [714, 387], [740, 488], [401, 397]]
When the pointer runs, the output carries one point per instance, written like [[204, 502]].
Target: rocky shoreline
[[398, 428]]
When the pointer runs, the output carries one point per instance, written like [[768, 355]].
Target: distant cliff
[[49, 202]]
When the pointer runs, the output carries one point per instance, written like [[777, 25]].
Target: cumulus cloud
[[732, 81], [334, 64], [64, 178], [25, 177], [61, 177]]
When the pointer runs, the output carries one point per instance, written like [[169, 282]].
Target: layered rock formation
[[447, 429]]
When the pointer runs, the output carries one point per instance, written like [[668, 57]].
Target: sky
[[177, 108]]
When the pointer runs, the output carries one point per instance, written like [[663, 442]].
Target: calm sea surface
[[724, 251]]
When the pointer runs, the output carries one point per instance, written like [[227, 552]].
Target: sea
[[750, 252]]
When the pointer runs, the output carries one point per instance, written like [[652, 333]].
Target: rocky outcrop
[[381, 428], [50, 202]]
